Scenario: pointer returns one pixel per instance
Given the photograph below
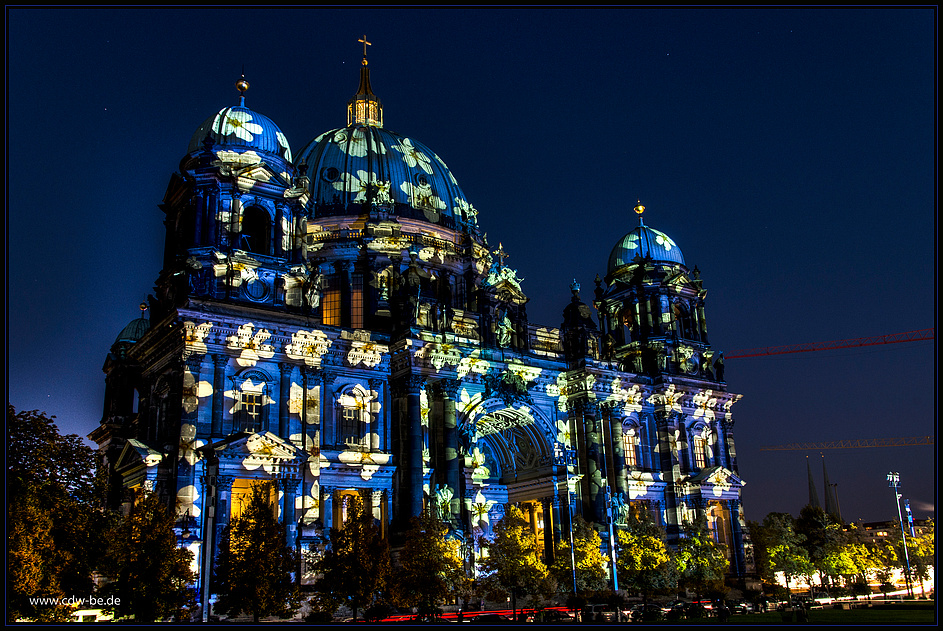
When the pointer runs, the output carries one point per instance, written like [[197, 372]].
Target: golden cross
[[365, 44]]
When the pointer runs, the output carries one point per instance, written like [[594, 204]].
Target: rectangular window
[[251, 411], [629, 451], [700, 458], [351, 433], [356, 302], [331, 304]]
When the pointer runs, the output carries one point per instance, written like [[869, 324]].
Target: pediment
[[261, 448], [138, 454], [716, 477]]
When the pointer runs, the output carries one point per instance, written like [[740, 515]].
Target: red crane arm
[[894, 338]]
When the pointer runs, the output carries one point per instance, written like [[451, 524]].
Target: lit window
[[331, 304], [630, 448], [251, 411], [700, 452], [356, 302]]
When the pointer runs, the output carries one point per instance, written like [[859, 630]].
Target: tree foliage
[[254, 567], [644, 561], [54, 520], [779, 548], [430, 566], [701, 561], [513, 565], [150, 575], [357, 566], [590, 562]]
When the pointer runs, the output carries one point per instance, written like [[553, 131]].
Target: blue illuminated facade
[[337, 322]]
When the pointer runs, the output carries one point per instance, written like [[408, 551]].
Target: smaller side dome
[[644, 242], [134, 331], [240, 129]]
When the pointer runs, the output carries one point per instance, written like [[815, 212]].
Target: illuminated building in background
[[336, 321]]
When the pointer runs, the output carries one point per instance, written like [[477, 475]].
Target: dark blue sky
[[790, 153]]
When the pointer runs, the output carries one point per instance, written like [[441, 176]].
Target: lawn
[[923, 616]]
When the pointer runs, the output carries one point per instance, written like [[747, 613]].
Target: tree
[[54, 517], [513, 565], [590, 562], [430, 566], [150, 575], [923, 555], [357, 566], [779, 549], [701, 561], [644, 561], [254, 567]]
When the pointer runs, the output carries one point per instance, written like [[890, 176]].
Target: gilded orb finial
[[242, 85], [639, 209]]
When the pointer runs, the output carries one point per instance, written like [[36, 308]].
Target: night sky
[[790, 153]]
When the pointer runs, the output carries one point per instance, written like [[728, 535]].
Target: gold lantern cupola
[[364, 108]]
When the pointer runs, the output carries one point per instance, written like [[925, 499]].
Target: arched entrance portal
[[513, 463]]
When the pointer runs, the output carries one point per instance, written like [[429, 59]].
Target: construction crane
[[854, 443], [895, 338]]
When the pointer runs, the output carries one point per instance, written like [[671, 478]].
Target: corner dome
[[134, 331], [366, 165], [641, 243], [240, 129]]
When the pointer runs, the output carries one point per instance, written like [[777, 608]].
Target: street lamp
[[893, 481], [565, 456]]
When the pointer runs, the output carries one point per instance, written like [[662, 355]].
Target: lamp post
[[564, 456], [893, 481]]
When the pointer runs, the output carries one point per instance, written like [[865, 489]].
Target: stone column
[[738, 561], [408, 428], [219, 394], [448, 390], [327, 507], [328, 424], [284, 390], [289, 488]]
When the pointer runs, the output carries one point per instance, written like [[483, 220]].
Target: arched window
[[256, 231]]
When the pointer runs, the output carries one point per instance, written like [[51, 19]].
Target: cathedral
[[335, 321]]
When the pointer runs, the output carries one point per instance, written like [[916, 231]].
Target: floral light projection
[[668, 400], [558, 391], [283, 143], [472, 363], [368, 353], [359, 184], [720, 482], [413, 157], [368, 463], [640, 484], [440, 354], [308, 502], [663, 240], [729, 404], [194, 336], [237, 123], [309, 346], [564, 435], [189, 444], [360, 143], [630, 398], [480, 510], [250, 345], [187, 501], [704, 405], [194, 391]]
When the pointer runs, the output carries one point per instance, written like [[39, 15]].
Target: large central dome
[[361, 165]]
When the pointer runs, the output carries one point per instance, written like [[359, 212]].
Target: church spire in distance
[[364, 108]]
